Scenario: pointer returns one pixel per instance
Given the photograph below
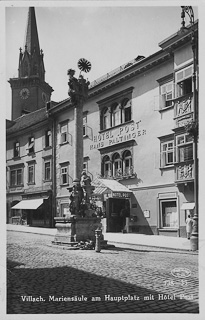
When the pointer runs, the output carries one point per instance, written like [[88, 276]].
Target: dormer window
[[31, 145], [16, 149]]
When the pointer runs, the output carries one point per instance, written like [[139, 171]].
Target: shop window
[[167, 153], [16, 177], [168, 214], [31, 173], [184, 82], [184, 148], [31, 145], [48, 137], [16, 149], [166, 94], [47, 170]]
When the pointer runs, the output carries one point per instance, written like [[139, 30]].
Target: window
[[126, 110], [127, 163], [167, 153], [184, 148], [48, 138], [184, 82], [116, 109], [84, 126], [16, 149], [116, 115], [166, 92], [117, 165], [64, 174], [31, 145], [48, 170], [105, 119], [107, 171], [16, 177], [64, 133], [168, 214], [31, 173]]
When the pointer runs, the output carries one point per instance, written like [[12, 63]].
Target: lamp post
[[189, 11]]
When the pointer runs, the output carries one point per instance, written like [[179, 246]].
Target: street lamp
[[194, 125]]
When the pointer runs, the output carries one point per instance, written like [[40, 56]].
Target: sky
[[106, 35]]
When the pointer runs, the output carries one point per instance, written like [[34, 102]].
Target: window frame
[[48, 138], [31, 165], [16, 149], [64, 167], [164, 163], [45, 170], [184, 145], [64, 133], [15, 176], [31, 145], [165, 102], [180, 82]]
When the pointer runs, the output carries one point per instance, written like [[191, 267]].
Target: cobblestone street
[[44, 278]]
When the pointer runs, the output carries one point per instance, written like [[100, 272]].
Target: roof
[[28, 120]]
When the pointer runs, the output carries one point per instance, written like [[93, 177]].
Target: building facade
[[137, 150], [29, 138]]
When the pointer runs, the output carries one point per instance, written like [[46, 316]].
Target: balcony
[[184, 172], [119, 175], [183, 110]]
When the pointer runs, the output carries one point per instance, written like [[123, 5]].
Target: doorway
[[117, 210]]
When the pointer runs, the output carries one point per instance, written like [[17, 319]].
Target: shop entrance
[[117, 210]]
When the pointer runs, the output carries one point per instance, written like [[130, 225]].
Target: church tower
[[30, 92]]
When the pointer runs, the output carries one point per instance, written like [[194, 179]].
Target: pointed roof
[[32, 32]]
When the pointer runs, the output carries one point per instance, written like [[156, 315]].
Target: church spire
[[31, 60], [32, 42]]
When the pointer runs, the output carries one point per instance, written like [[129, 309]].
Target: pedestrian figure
[[189, 223]]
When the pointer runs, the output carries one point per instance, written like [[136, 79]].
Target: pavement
[[49, 279], [122, 239]]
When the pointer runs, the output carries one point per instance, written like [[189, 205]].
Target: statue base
[[76, 229]]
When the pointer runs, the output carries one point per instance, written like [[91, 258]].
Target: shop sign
[[121, 194]]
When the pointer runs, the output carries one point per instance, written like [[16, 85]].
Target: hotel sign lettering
[[117, 135], [121, 194]]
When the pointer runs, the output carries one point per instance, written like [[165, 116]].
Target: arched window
[[105, 119], [107, 168], [127, 163], [126, 110], [116, 114], [117, 165]]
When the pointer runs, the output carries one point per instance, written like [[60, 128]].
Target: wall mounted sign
[[146, 213], [123, 133]]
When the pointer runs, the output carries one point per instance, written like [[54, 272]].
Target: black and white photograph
[[102, 127]]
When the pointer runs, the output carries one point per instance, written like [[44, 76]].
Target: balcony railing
[[119, 175], [183, 110], [184, 171]]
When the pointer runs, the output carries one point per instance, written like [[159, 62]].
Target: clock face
[[24, 93]]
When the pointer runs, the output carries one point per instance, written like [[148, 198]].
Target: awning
[[103, 186], [29, 204], [188, 206]]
